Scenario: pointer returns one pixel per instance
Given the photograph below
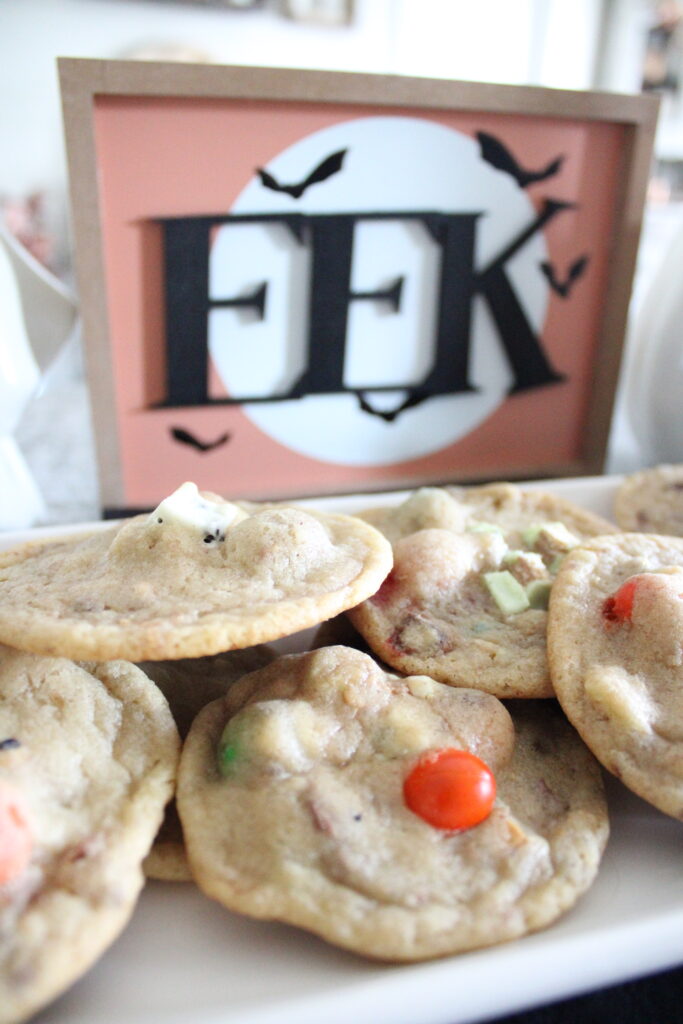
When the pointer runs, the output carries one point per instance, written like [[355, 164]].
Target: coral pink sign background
[[162, 157]]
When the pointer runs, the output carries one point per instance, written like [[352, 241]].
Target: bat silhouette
[[575, 271], [413, 398], [185, 437], [363, 404], [329, 166], [499, 156]]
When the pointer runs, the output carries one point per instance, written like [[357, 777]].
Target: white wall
[[548, 42], [520, 42], [33, 33]]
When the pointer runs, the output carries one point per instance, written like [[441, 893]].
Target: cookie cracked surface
[[90, 753], [291, 796], [615, 642], [466, 601], [169, 586]]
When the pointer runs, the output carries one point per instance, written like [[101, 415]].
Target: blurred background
[[615, 45]]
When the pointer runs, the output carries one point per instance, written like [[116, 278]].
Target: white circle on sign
[[392, 166]]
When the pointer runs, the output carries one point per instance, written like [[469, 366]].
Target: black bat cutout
[[365, 406], [329, 166], [575, 271], [390, 415], [494, 152], [185, 437]]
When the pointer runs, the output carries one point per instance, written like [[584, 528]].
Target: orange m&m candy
[[450, 789], [16, 840], [619, 607]]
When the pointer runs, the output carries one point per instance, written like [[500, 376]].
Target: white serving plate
[[186, 960]]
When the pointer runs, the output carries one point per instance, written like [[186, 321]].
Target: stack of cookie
[[407, 788], [88, 744]]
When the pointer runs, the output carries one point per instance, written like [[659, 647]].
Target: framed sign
[[300, 282]]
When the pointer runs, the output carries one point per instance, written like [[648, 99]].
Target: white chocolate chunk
[[549, 538], [620, 695], [187, 507], [287, 733], [555, 539], [405, 730], [525, 566], [422, 686]]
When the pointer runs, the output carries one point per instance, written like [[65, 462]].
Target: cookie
[[196, 577], [291, 793], [188, 684], [615, 641], [466, 601], [88, 757], [651, 501]]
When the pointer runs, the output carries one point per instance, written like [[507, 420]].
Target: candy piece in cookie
[[615, 641], [88, 757], [16, 834], [188, 684], [395, 817], [450, 789], [196, 577], [651, 501], [466, 601]]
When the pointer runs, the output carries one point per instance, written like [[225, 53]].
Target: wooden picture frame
[[152, 145]]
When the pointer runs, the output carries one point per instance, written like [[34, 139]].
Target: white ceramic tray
[[186, 960]]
